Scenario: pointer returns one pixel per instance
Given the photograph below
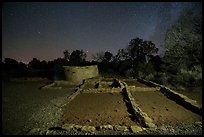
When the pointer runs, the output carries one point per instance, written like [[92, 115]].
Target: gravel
[[25, 106]]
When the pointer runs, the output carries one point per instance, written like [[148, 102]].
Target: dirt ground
[[135, 83], [195, 94], [97, 109], [25, 106], [163, 110]]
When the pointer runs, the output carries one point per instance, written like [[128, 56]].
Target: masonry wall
[[77, 74]]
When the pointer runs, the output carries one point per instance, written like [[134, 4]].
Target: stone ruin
[[76, 74]]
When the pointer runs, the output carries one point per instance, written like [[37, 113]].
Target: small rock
[[158, 88], [135, 129], [90, 129], [50, 132], [89, 120], [163, 128], [77, 127], [68, 126], [98, 85], [199, 123], [110, 127], [120, 128]]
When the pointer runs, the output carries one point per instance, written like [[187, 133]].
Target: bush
[[150, 77], [146, 68], [183, 79], [160, 78], [130, 72], [141, 74], [193, 77]]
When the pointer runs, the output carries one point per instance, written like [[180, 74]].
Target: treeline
[[36, 68], [180, 67], [127, 62]]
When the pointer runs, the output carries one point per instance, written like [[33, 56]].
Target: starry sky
[[45, 29]]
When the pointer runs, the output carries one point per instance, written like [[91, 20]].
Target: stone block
[[135, 129]]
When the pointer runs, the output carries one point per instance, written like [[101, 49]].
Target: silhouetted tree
[[107, 56], [138, 49], [104, 60], [10, 64], [11, 68], [103, 56], [43, 65], [156, 61], [78, 57], [98, 57], [121, 55], [66, 55], [34, 64]]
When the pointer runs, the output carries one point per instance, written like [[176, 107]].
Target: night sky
[[45, 30]]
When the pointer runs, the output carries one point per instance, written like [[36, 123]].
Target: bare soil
[[97, 109], [163, 110], [195, 94], [135, 83], [25, 106]]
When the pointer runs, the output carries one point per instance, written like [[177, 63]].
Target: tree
[[183, 42], [183, 56], [121, 55], [66, 55], [10, 64], [107, 56], [43, 64], [34, 64], [104, 61], [98, 56], [14, 69], [78, 57], [138, 49]]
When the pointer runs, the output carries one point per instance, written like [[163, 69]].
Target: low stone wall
[[133, 88], [66, 128], [143, 118], [182, 100], [78, 91], [77, 74], [173, 95]]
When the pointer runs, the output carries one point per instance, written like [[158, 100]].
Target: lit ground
[[25, 106]]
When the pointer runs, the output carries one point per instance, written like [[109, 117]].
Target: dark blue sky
[[45, 30]]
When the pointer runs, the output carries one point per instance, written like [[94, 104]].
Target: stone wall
[[77, 74]]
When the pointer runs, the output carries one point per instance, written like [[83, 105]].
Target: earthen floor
[[95, 109], [163, 110]]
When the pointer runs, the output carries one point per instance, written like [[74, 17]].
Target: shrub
[[130, 72], [141, 74], [150, 77], [146, 68], [160, 78], [192, 77]]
